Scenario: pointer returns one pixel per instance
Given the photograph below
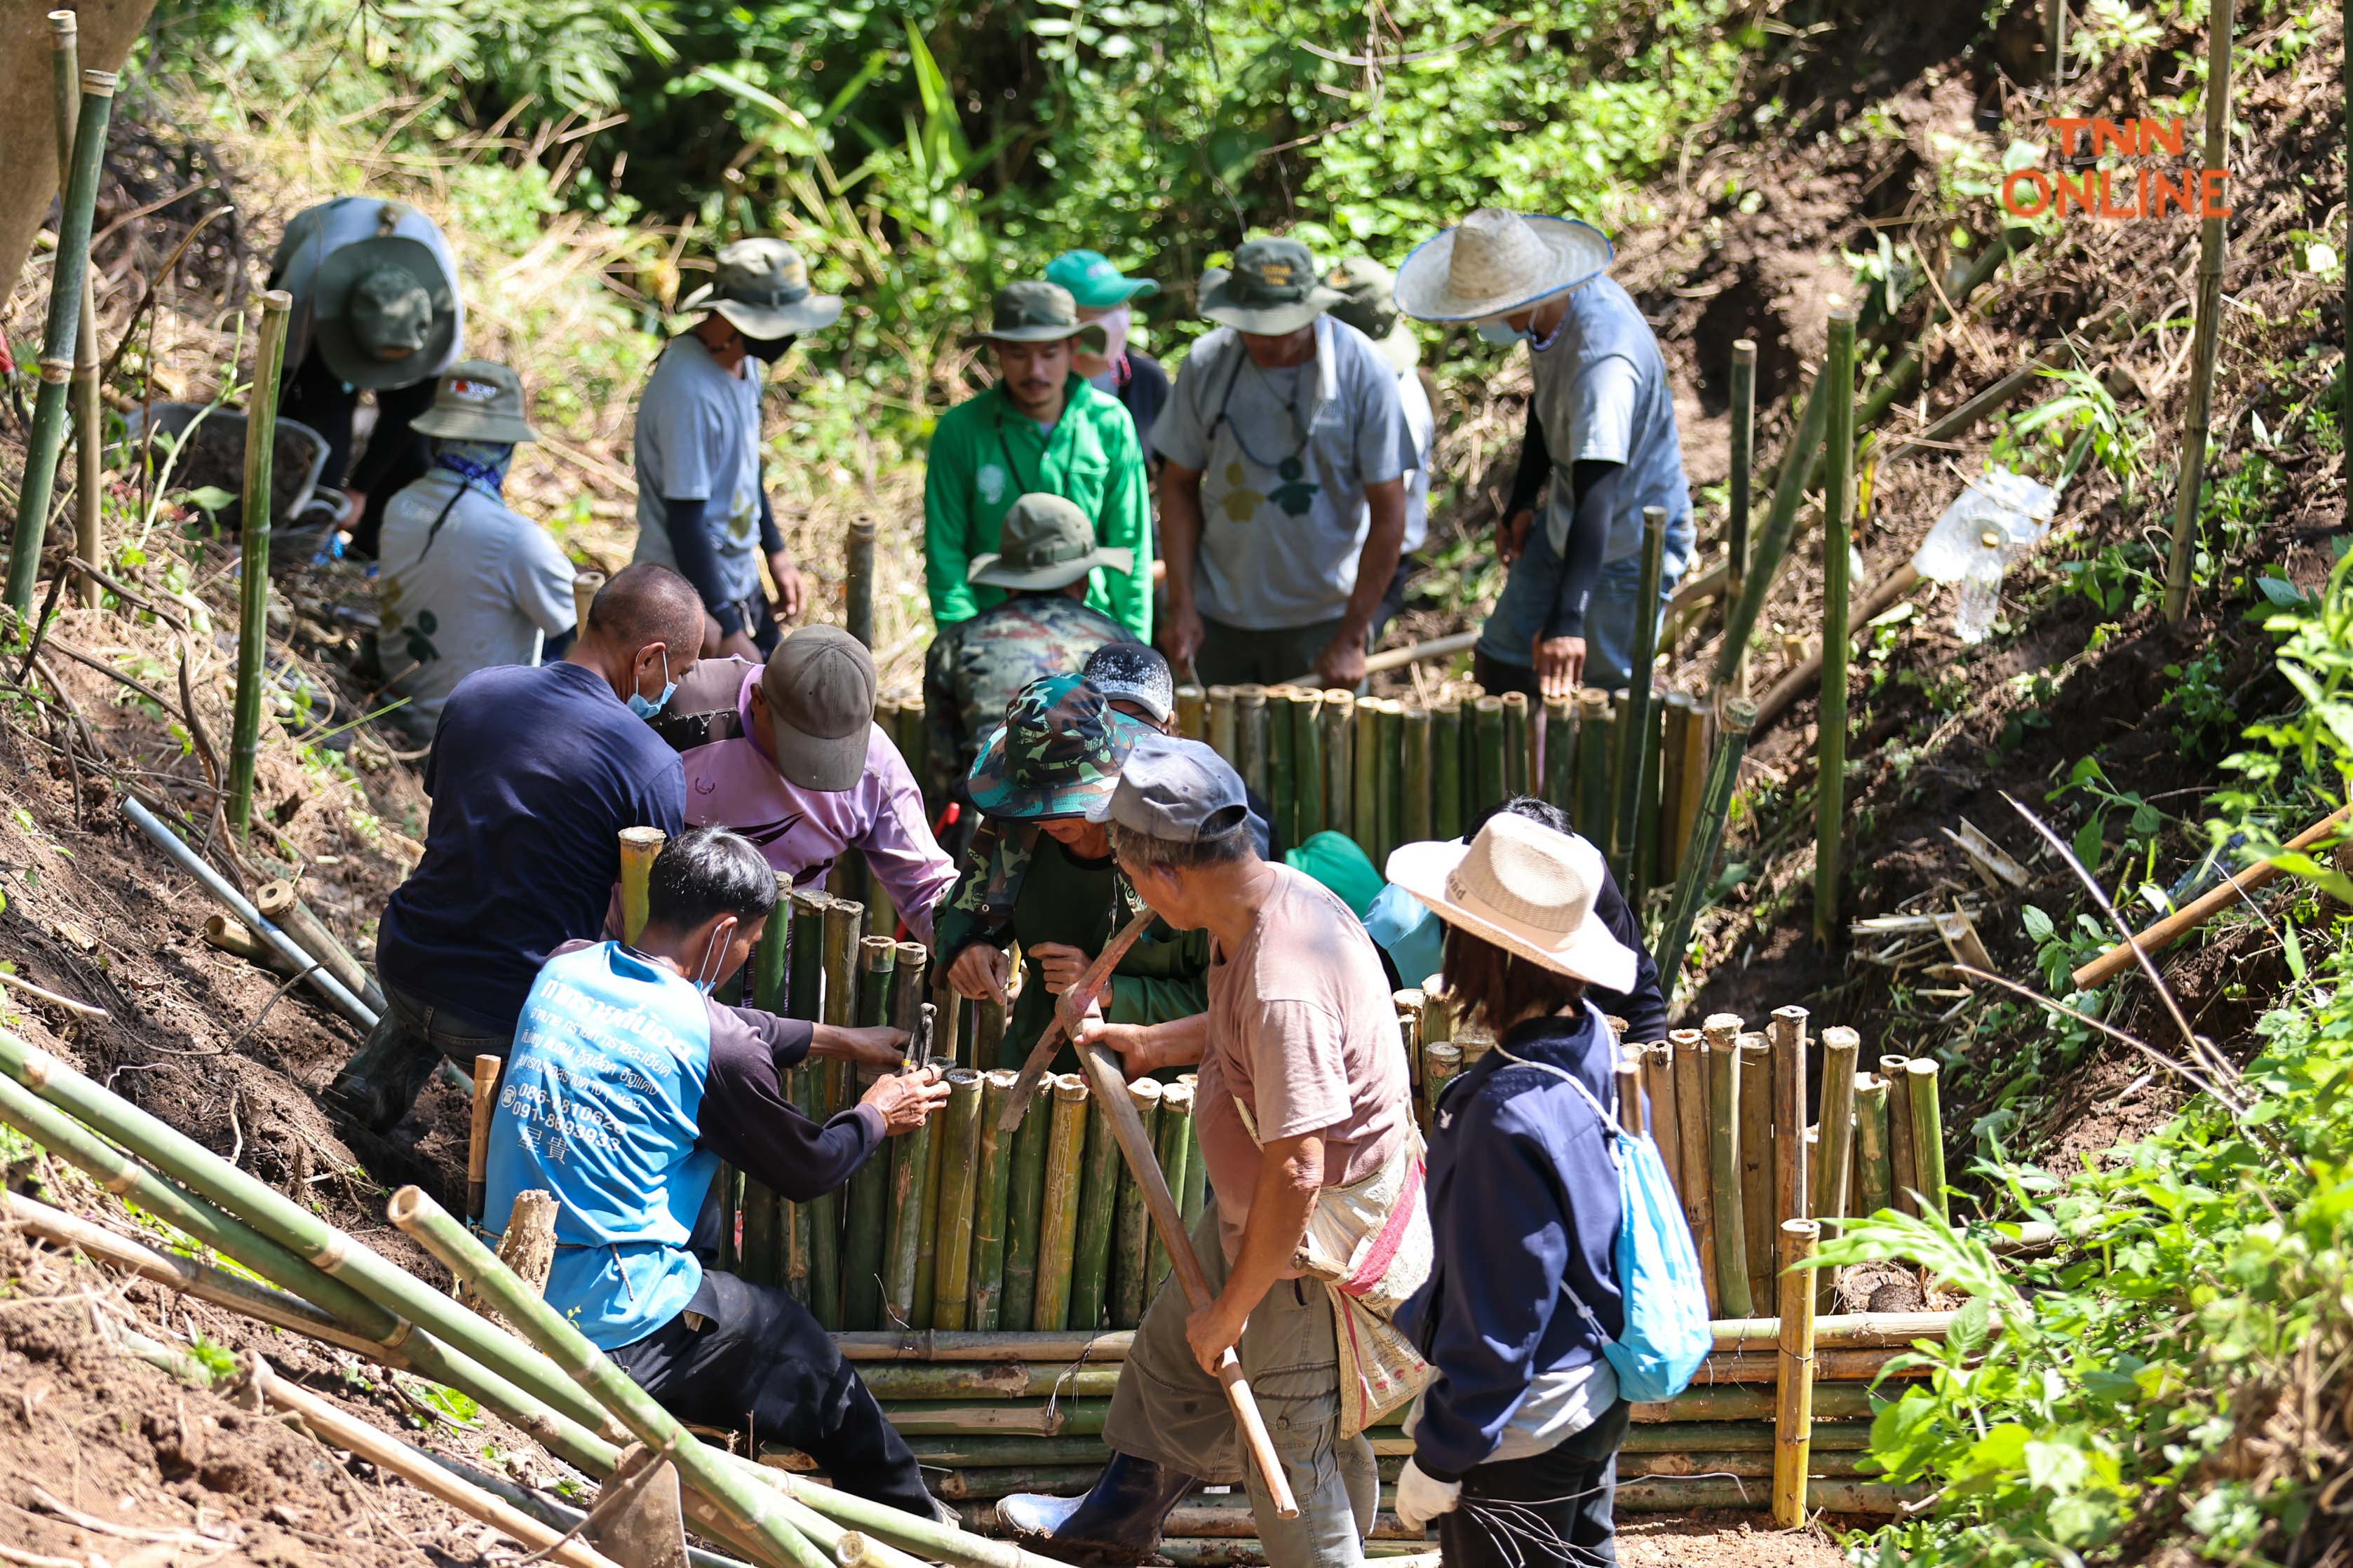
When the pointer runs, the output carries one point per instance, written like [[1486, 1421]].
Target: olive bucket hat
[[1039, 313], [1046, 542], [1270, 290], [384, 310], [761, 288], [1057, 755], [1368, 305], [477, 401]]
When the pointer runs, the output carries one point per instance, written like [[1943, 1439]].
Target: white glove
[[1420, 1498]]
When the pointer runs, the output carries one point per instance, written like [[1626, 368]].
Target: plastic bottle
[[1980, 597]]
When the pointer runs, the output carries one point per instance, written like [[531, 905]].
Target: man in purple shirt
[[803, 773]]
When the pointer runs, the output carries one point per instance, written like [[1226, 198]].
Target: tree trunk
[[107, 28]]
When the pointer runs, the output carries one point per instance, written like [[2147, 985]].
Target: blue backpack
[[1667, 1334]]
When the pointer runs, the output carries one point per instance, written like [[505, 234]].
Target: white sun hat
[[1494, 262], [1527, 887]]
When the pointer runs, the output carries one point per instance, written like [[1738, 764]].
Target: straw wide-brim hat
[[1494, 262], [1528, 888]]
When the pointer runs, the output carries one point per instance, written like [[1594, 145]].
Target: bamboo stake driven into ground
[[253, 559], [88, 548], [1721, 1038], [1793, 1421], [2213, 233], [1626, 813], [1837, 385], [1740, 487]]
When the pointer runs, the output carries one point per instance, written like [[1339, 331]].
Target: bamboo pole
[[911, 1180], [1560, 752], [1065, 1177], [1091, 1252], [1739, 489], [1691, 1112], [1251, 736], [68, 283], [1841, 1048], [640, 846], [1902, 1154], [1131, 1245], [1698, 868], [2214, 237], [1192, 712], [1838, 532], [928, 1229], [858, 590], [89, 546], [1769, 546], [1441, 1063], [1446, 793], [1786, 1031], [874, 1232], [838, 962], [805, 971], [279, 902], [1174, 1148], [1677, 711], [586, 587], [1222, 738], [1193, 1196], [1648, 871], [914, 742], [1595, 736], [1389, 727], [1365, 787], [478, 1135], [1482, 769], [1517, 775], [997, 1148], [1873, 1183], [1721, 1044], [230, 936], [253, 560], [1307, 762], [1417, 818], [1028, 1215], [1635, 711], [1691, 772], [1757, 1164], [1339, 720], [1927, 1134], [1281, 763], [1793, 1415], [1666, 1116], [958, 1154], [989, 1048]]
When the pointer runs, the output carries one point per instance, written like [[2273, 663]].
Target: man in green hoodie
[[1041, 428]]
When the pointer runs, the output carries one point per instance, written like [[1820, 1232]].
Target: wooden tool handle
[[477, 1134], [1109, 1082], [2197, 911], [1069, 1008]]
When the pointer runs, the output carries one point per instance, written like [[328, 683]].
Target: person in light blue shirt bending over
[[628, 1084], [1601, 444]]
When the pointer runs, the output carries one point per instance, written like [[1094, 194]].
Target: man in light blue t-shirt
[[1601, 444], [701, 508]]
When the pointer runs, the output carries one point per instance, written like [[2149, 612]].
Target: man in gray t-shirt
[[701, 508], [1283, 499]]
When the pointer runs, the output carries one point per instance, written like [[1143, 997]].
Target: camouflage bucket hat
[[1368, 304], [1271, 290], [1039, 313], [1058, 753]]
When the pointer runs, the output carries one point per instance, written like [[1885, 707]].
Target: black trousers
[[758, 1363], [396, 455], [1497, 677], [1550, 1507]]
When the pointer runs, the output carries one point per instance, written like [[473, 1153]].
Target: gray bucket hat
[[477, 401], [383, 311], [1368, 305], [1270, 290], [1046, 542], [1039, 313], [761, 288]]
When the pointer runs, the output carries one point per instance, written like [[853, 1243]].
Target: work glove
[[1422, 1498]]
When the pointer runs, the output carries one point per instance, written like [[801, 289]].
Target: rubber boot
[[384, 1076], [1115, 1525]]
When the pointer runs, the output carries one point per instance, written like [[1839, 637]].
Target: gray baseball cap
[[1175, 789], [819, 686]]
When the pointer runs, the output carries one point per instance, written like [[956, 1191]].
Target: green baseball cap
[[1368, 304], [1040, 313], [1270, 290], [1046, 542], [477, 401], [1057, 755], [1093, 281]]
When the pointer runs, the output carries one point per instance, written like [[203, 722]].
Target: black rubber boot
[[384, 1078], [1115, 1525]]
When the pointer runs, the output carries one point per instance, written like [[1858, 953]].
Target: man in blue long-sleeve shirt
[[701, 506]]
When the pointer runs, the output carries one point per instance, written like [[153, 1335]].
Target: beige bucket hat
[[1526, 888], [1494, 262], [762, 289], [1046, 542], [477, 401]]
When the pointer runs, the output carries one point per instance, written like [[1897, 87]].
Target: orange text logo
[[2121, 191]]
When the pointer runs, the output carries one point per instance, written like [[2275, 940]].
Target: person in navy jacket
[[1515, 1436]]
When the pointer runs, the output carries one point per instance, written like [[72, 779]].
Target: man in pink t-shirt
[[808, 774], [1302, 1087]]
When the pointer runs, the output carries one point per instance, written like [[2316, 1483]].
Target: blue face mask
[[1502, 334], [645, 710]]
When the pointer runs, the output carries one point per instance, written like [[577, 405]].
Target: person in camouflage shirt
[[1042, 627], [1040, 875]]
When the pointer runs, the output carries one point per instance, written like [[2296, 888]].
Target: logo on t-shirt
[[990, 482]]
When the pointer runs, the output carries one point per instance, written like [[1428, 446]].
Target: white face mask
[[1114, 324]]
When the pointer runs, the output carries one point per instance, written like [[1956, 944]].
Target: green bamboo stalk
[[915, 737], [1339, 722], [1250, 736], [1677, 782], [948, 1008], [1388, 726], [1697, 1192], [68, 284], [1698, 868], [2213, 241], [1739, 490], [958, 1155], [761, 1257], [989, 1047], [66, 79], [1874, 1176], [1416, 816], [1307, 762], [1903, 1172], [910, 1184], [1192, 712], [1132, 1226], [995, 1172], [1441, 1060], [1365, 789], [746, 1504], [1559, 718], [1596, 742], [1173, 1147], [1756, 1163], [1193, 1194], [1835, 1117], [1515, 743], [1065, 1177], [1791, 1200], [1446, 769], [805, 987], [858, 580], [253, 560], [1485, 768], [1765, 551], [870, 1190], [927, 1234], [1659, 1093], [1722, 1043], [637, 849], [842, 919], [1625, 756], [1649, 873], [287, 1224], [1025, 1215], [1222, 737], [1098, 1223], [1838, 532], [1281, 753], [1927, 1134], [805, 1084]]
